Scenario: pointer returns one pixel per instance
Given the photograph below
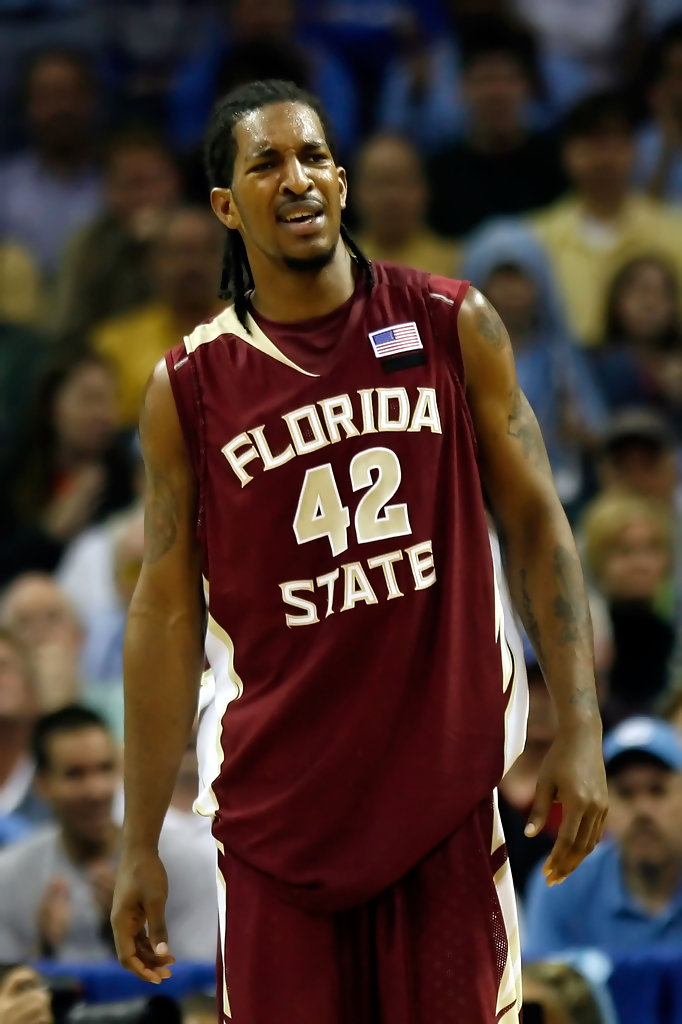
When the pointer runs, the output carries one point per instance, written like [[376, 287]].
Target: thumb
[[156, 923], [544, 798]]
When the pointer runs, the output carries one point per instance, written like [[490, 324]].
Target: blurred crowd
[[532, 147]]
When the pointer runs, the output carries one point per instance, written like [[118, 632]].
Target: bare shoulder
[[171, 491], [479, 323], [486, 348]]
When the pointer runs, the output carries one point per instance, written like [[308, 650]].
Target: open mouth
[[302, 218]]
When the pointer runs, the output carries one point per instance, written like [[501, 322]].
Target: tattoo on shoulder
[[522, 425], [489, 325], [160, 518]]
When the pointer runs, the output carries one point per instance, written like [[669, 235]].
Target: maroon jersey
[[353, 625]]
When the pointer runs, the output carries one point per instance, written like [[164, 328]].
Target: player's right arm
[[162, 661]]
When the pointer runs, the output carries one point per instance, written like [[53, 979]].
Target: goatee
[[310, 264]]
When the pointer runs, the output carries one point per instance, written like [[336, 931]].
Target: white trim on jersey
[[227, 323]]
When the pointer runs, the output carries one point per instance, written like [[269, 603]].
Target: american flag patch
[[390, 341]]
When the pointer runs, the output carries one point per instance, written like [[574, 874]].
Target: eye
[[317, 158], [265, 165]]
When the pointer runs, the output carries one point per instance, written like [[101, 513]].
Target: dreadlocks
[[220, 151]]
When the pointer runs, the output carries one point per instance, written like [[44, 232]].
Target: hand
[[102, 877], [138, 918], [573, 775], [24, 999], [68, 513], [54, 914]]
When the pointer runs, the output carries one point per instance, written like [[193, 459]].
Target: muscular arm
[[162, 669], [544, 570], [162, 655]]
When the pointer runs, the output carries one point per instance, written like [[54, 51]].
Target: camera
[[155, 1010]]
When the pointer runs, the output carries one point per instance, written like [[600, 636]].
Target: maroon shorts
[[439, 947]]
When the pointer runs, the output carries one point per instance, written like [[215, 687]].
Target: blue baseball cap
[[648, 736]]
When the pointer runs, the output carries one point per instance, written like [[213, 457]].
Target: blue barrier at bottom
[[646, 987]]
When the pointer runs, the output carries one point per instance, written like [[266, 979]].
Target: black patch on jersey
[[403, 361]]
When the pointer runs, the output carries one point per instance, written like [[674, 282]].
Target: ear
[[343, 186], [225, 208]]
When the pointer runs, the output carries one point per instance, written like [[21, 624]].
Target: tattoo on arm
[[529, 620], [523, 426], [160, 518], [490, 326]]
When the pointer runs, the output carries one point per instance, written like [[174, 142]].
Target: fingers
[[544, 798], [140, 958], [156, 921], [578, 836]]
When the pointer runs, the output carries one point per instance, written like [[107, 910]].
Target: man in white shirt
[[56, 887]]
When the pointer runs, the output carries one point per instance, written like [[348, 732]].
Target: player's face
[[645, 813], [287, 193]]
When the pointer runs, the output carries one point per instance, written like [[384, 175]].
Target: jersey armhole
[[445, 298], [185, 387]]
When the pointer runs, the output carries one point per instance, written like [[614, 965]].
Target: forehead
[[641, 774], [80, 746], [278, 126]]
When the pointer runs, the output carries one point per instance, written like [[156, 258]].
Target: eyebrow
[[267, 151]]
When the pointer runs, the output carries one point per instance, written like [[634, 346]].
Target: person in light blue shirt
[[512, 269], [627, 895]]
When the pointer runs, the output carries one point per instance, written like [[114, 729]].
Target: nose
[[294, 177]]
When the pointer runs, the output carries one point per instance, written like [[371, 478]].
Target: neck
[[653, 885], [604, 206], [84, 851], [14, 735], [287, 295]]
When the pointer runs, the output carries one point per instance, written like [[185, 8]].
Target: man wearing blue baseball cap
[[628, 893]]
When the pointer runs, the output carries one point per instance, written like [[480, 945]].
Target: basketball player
[[319, 454]]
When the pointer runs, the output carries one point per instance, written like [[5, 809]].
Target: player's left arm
[[546, 582]]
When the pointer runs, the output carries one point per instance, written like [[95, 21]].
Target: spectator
[[629, 556], [640, 362], [56, 887], [421, 95], [601, 42], [259, 40], [103, 654], [24, 997], [637, 456], [106, 267], [565, 994], [18, 710], [187, 261], [44, 619], [658, 168], [72, 469], [53, 188], [627, 895], [19, 284], [499, 166], [602, 224], [390, 201], [510, 267]]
